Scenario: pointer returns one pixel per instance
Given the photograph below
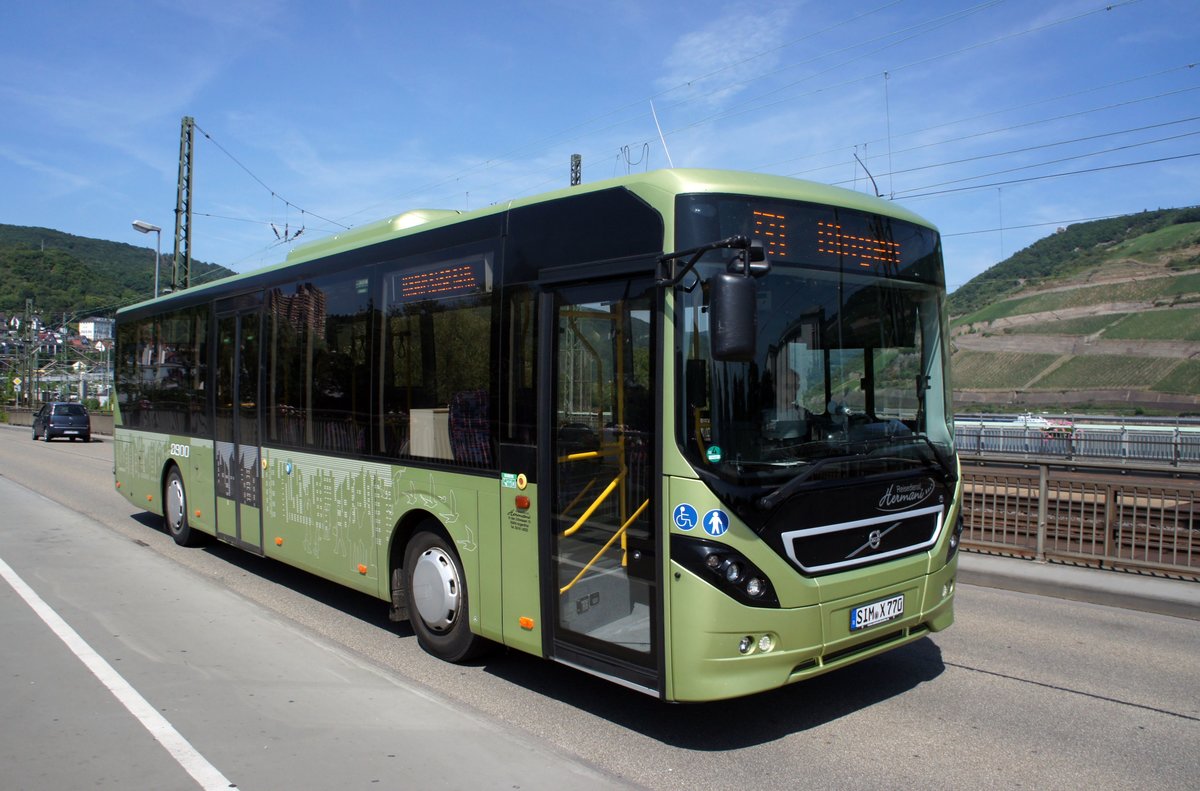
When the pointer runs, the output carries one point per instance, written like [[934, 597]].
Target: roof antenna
[[878, 194], [660, 134]]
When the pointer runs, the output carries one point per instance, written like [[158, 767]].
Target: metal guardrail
[[1174, 446], [1101, 520]]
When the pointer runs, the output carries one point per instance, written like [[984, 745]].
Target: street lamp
[[146, 227]]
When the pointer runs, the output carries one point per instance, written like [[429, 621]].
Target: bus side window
[[519, 422], [436, 361]]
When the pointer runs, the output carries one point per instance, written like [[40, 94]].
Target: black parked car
[[62, 419]]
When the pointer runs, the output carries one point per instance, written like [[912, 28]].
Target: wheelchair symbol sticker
[[716, 522], [685, 516]]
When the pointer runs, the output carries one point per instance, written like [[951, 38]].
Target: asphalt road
[[274, 679]]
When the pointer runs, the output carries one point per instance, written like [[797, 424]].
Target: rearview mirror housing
[[733, 312]]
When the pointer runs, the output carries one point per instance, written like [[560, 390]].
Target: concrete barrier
[[101, 423]]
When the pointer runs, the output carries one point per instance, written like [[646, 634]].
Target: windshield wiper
[[785, 491], [948, 468], [796, 484]]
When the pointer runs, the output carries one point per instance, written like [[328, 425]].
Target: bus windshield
[[849, 373]]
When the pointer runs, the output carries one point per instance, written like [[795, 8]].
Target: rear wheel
[[437, 599], [175, 511], [46, 434]]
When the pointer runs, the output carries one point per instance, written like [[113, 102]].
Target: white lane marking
[[163, 731]]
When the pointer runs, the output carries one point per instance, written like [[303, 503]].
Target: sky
[[999, 121]]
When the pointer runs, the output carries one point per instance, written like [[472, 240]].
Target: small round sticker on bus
[[716, 522], [714, 454], [685, 516]]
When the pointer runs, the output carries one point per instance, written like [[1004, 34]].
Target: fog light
[[765, 643], [754, 587], [745, 644], [713, 561]]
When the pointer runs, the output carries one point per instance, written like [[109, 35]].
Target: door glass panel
[[224, 395], [236, 415], [247, 409], [604, 549]]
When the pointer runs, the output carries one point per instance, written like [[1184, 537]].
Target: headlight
[[733, 572], [725, 568], [955, 538]]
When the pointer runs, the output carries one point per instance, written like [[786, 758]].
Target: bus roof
[[664, 182]]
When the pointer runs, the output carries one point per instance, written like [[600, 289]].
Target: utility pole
[[181, 272], [30, 352]]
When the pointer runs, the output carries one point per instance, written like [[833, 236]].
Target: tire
[[175, 515], [437, 599], [46, 434]]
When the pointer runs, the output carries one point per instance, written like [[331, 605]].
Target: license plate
[[70, 431], [876, 612]]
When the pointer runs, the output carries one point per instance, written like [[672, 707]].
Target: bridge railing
[[1046, 512], [1172, 446]]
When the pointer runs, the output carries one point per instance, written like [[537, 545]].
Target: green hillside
[[77, 276], [1103, 314], [1083, 248]]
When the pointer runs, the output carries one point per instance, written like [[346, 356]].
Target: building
[[96, 329]]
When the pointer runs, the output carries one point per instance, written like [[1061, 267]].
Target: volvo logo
[[874, 539]]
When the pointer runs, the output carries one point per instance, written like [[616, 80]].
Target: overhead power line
[[1035, 164], [263, 184], [1053, 175]]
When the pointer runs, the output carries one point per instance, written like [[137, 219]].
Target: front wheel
[[437, 599], [175, 511]]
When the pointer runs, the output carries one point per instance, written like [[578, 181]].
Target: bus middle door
[[237, 449]]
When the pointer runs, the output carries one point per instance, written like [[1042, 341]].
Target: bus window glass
[[851, 359], [519, 421], [291, 320], [338, 357], [318, 363], [436, 394], [180, 406]]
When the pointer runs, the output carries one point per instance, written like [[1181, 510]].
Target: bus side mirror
[[733, 312]]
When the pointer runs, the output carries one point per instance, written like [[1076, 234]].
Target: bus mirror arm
[[733, 296], [752, 254]]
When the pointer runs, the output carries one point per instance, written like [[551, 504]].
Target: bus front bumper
[[722, 649]]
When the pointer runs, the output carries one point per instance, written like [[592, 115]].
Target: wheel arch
[[406, 527]]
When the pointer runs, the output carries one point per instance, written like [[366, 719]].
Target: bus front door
[[600, 511], [237, 453]]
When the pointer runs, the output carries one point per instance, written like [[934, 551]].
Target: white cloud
[[713, 64]]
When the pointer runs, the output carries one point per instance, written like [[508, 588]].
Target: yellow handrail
[[620, 533], [595, 504], [575, 500]]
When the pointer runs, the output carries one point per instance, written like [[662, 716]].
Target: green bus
[[688, 430]]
